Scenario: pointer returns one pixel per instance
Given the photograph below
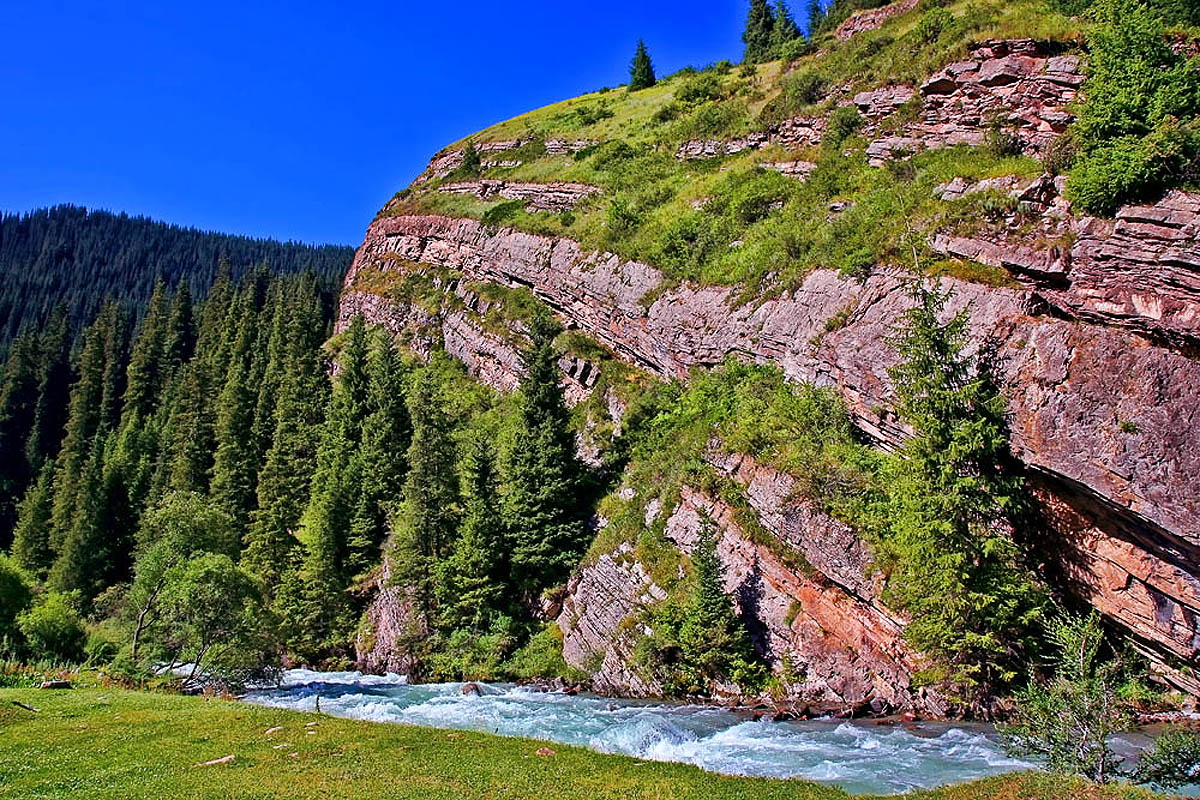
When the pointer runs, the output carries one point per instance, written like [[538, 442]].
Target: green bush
[[53, 628], [796, 48], [699, 88], [1137, 131], [932, 24], [502, 212], [1173, 761], [540, 658], [16, 593], [843, 122]]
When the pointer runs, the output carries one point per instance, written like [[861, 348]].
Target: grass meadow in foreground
[[114, 743]]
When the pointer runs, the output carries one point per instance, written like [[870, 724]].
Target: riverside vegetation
[[225, 480]]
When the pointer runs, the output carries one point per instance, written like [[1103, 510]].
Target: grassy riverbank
[[113, 743]]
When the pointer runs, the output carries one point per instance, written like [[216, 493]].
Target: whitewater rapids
[[859, 757]]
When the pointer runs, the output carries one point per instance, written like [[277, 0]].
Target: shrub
[[796, 48], [1067, 721], [699, 88], [15, 596], [932, 24], [540, 657], [1059, 155], [802, 89], [53, 628], [1132, 144], [843, 122], [1002, 142], [1173, 761], [502, 212]]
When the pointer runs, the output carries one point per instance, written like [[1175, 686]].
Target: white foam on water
[[857, 757]]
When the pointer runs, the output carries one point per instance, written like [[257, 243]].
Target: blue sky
[[296, 120]]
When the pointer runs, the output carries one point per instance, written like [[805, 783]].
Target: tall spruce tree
[[235, 463], [387, 434], [54, 383], [471, 579], [283, 485], [816, 18], [641, 71], [429, 517], [543, 475], [785, 29], [337, 486], [31, 540], [18, 409], [956, 499], [759, 32]]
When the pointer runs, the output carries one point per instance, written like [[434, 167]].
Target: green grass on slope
[[112, 743]]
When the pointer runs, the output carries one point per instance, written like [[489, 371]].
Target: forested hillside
[[77, 257]]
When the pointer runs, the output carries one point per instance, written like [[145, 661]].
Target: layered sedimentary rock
[[446, 162], [1105, 417], [558, 196], [1018, 88], [871, 19]]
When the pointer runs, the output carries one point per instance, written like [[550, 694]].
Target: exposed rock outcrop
[[557, 196], [602, 600], [1105, 416], [871, 19], [1020, 87]]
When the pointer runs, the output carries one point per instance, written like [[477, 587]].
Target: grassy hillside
[[113, 743], [725, 221]]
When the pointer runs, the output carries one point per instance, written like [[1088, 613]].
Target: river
[[857, 756]]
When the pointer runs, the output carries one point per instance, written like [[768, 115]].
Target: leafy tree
[[470, 580], [1068, 721], [641, 71], [543, 476], [213, 619], [16, 593], [956, 497], [181, 526], [759, 33], [53, 628]]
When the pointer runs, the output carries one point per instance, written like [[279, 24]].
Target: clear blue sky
[[296, 120]]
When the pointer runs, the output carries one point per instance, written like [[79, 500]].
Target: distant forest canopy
[[75, 256]]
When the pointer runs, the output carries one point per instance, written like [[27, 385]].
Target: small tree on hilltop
[[641, 71], [758, 36], [785, 29]]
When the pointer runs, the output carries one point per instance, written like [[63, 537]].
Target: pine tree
[[144, 378], [429, 518], [785, 29], [956, 498], [18, 409], [760, 25], [31, 540], [470, 580], [816, 18], [54, 382], [235, 464], [543, 475], [284, 482], [179, 337], [337, 486], [83, 559], [87, 416], [387, 434], [641, 71]]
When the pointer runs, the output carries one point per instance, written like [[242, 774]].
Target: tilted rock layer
[[1108, 419]]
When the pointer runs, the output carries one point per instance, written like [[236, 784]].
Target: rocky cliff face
[[1097, 338]]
